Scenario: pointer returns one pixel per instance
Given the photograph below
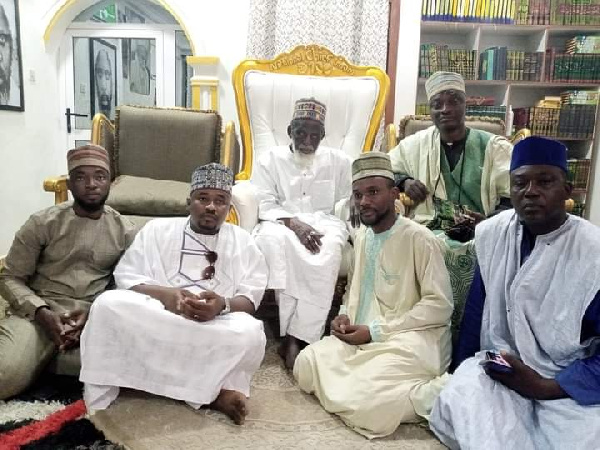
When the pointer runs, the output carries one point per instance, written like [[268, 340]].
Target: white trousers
[[130, 340]]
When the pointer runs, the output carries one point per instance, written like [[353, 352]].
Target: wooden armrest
[[58, 185]]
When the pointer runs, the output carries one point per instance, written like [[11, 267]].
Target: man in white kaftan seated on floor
[[299, 185], [386, 360], [535, 302], [180, 323]]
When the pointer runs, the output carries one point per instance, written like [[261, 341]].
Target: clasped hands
[[201, 307], [308, 236], [342, 329], [63, 329], [526, 381]]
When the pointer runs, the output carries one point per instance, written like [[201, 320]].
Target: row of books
[[522, 12], [499, 63], [488, 11], [579, 97], [580, 68], [578, 173], [566, 122], [471, 111], [436, 57]]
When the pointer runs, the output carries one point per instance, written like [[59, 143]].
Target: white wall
[[33, 143]]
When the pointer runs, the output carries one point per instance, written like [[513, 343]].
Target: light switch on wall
[[32, 76], [82, 88]]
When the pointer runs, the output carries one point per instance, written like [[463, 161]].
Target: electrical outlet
[[82, 88]]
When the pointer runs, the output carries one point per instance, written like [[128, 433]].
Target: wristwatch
[[227, 308]]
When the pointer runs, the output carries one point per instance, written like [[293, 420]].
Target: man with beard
[[9, 91], [180, 323], [104, 83], [60, 260], [299, 185], [450, 161], [390, 345], [535, 300]]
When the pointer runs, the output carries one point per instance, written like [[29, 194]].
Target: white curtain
[[355, 29]]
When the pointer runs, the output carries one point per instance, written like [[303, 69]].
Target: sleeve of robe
[[20, 265], [495, 182], [269, 206], [400, 165], [580, 380], [134, 268], [253, 279], [434, 309]]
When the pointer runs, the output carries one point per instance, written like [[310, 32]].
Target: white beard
[[303, 160]]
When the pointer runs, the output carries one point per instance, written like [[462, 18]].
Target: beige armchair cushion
[[148, 197], [156, 142], [410, 125]]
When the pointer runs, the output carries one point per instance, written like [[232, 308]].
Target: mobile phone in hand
[[495, 362]]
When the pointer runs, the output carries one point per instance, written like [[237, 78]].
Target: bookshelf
[[536, 40]]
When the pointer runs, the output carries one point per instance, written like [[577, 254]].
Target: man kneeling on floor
[[390, 344], [180, 325], [535, 297]]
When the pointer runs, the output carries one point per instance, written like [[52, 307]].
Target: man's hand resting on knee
[[350, 334], [63, 329], [307, 235]]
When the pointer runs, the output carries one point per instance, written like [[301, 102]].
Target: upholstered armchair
[[265, 92], [153, 152]]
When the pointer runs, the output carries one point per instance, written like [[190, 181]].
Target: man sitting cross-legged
[[180, 324], [390, 344], [535, 297], [59, 261]]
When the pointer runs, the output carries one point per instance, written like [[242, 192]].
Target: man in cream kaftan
[[300, 237], [390, 345], [536, 297], [178, 324]]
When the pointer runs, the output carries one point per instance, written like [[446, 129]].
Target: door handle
[[68, 113]]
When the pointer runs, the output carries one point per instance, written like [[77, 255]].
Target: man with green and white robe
[[385, 361], [449, 161]]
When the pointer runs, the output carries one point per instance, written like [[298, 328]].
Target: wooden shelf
[[440, 26]]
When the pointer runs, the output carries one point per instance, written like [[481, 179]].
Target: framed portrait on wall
[[11, 64], [103, 80]]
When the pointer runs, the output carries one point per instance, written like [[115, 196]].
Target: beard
[[373, 219], [91, 207], [104, 102], [304, 160], [4, 85]]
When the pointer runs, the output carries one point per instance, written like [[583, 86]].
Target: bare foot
[[291, 352], [233, 404]]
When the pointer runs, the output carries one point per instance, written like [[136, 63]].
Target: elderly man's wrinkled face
[[448, 110], [6, 50], [306, 135], [104, 82]]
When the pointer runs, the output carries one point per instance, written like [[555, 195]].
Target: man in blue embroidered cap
[[180, 323], [528, 357], [299, 185]]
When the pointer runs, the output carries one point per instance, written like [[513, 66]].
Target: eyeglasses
[[209, 272]]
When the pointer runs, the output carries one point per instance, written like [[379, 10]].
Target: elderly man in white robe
[[529, 353], [390, 346], [299, 185], [180, 323]]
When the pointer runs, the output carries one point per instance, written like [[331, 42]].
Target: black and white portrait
[[103, 85], [11, 68], [139, 69]]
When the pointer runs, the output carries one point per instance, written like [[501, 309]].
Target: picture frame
[[12, 96], [103, 78]]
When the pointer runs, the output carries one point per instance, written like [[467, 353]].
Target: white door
[[104, 68]]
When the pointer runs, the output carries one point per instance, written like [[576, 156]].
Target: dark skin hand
[[307, 235], [526, 381], [350, 334], [416, 191], [63, 329]]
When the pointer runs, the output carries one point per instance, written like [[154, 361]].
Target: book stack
[[578, 173], [499, 63], [583, 44], [579, 97], [435, 57], [471, 110], [566, 122], [485, 11]]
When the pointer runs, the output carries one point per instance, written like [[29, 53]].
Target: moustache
[[104, 100]]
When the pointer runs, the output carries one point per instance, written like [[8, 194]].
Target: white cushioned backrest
[[350, 104]]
